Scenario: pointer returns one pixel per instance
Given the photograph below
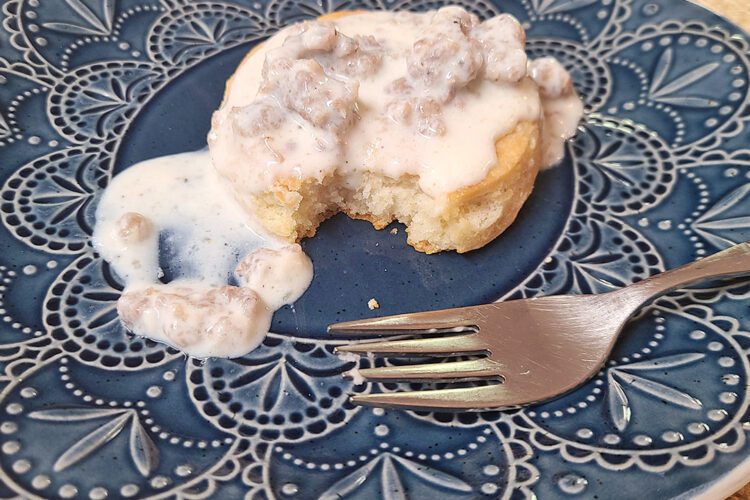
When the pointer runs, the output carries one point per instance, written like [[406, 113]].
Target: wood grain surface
[[738, 11]]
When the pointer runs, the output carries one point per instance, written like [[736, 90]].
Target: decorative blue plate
[[658, 175]]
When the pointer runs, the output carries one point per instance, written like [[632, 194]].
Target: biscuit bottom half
[[466, 219]]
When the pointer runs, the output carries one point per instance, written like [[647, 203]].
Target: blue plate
[[658, 175]]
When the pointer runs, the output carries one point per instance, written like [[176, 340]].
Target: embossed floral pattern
[[622, 376], [391, 484], [658, 175], [143, 452]]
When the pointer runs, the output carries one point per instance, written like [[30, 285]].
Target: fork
[[533, 349]]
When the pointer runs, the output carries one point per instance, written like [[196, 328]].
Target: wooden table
[[738, 11]]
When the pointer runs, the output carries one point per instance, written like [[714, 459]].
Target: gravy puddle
[[220, 277]]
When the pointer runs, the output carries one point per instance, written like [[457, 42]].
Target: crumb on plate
[[373, 304]]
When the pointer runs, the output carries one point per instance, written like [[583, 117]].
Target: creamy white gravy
[[226, 276], [475, 119], [177, 206]]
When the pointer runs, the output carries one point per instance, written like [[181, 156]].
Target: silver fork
[[535, 349]]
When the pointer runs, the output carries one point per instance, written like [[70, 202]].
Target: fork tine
[[455, 371], [457, 319], [469, 398], [437, 346]]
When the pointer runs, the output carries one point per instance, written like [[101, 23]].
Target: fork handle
[[732, 262]]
